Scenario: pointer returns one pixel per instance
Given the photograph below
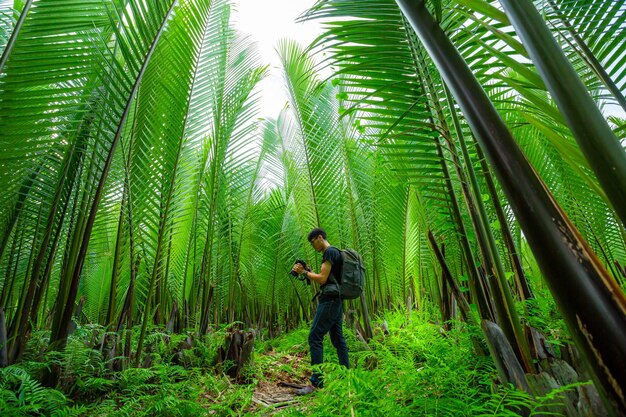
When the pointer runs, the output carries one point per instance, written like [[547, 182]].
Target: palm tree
[[351, 59], [136, 178], [118, 97]]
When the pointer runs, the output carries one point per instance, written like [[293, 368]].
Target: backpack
[[352, 274]]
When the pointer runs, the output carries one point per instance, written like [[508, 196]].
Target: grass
[[416, 370]]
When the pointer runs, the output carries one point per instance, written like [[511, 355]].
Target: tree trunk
[[4, 358]]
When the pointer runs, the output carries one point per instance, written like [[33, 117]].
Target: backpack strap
[[330, 275], [331, 279]]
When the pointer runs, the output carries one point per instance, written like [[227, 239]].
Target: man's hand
[[319, 278], [298, 269]]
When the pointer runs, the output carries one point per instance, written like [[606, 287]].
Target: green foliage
[[134, 169], [22, 395], [541, 313], [161, 390], [292, 342], [418, 369]]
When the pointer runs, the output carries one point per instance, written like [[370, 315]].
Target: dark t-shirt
[[333, 255]]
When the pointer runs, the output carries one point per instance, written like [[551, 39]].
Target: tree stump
[[580, 402], [589, 402], [179, 355], [543, 383], [236, 353]]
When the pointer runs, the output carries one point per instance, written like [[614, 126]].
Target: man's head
[[317, 239]]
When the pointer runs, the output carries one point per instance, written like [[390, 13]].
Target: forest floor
[[415, 370]]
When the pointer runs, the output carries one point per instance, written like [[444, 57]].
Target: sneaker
[[309, 389]]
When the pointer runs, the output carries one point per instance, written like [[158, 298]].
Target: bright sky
[[267, 21]]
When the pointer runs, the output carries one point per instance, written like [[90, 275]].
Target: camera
[[301, 262], [301, 277]]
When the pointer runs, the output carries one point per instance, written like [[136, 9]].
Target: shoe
[[309, 389]]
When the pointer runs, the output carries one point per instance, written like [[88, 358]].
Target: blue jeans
[[328, 318]]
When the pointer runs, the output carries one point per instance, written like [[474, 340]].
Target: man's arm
[[320, 278]]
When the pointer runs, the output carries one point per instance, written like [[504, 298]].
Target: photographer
[[329, 313]]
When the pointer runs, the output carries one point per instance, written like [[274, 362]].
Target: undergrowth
[[415, 370]]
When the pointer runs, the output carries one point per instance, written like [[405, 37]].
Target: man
[[329, 313]]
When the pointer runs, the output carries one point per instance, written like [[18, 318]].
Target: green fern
[[21, 394]]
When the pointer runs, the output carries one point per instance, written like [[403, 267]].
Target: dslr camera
[[301, 277]]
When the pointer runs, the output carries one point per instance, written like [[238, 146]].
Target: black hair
[[315, 233]]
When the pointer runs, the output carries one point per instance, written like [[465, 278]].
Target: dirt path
[[275, 391]]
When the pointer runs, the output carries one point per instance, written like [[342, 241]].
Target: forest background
[[462, 147]]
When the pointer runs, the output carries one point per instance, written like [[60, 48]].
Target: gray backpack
[[352, 275]]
